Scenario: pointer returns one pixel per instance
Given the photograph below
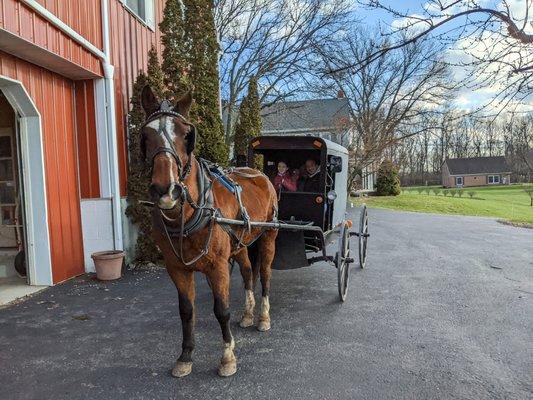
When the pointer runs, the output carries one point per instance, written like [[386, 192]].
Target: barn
[[66, 74]]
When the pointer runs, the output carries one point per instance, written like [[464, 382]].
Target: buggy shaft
[[272, 224]]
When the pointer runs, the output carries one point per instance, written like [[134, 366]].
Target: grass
[[509, 203]]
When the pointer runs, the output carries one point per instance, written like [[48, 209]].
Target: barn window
[[143, 10], [459, 181], [494, 179]]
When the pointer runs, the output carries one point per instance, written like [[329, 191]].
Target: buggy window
[[295, 160]]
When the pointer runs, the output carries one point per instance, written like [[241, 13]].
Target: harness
[[204, 212]]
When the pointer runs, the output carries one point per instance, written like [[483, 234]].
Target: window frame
[[457, 181], [149, 8], [495, 179]]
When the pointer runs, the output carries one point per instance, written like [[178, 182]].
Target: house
[[66, 74], [327, 118], [475, 171]]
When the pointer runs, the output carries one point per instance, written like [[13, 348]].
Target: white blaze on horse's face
[[166, 163]]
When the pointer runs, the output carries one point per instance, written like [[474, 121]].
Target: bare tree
[[498, 42], [391, 98], [270, 40]]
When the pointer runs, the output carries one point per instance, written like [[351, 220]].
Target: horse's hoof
[[263, 326], [227, 369], [181, 369], [246, 321]]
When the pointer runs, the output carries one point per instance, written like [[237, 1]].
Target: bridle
[[203, 210], [166, 110]]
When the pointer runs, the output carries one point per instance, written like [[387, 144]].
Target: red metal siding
[[82, 16], [53, 96], [87, 141], [130, 42]]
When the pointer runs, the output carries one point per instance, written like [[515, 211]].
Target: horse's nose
[[156, 191], [166, 198]]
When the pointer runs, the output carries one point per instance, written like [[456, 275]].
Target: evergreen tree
[[202, 59], [388, 182], [138, 173], [175, 50], [249, 121], [156, 77]]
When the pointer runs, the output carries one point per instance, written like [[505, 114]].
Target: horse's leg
[[267, 247], [219, 280], [247, 276], [184, 281]]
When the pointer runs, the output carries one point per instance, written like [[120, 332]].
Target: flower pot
[[108, 264]]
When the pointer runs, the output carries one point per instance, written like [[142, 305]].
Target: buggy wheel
[[342, 261], [363, 236]]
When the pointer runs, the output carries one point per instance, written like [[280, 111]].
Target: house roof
[[313, 115], [477, 165]]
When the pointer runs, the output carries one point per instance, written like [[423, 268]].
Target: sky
[[466, 98]]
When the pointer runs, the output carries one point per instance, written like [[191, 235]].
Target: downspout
[[105, 57], [111, 130]]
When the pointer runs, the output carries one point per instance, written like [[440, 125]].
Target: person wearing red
[[283, 179]]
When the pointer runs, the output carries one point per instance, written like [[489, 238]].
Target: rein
[[199, 209]]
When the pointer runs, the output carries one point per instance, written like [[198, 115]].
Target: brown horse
[[186, 199]]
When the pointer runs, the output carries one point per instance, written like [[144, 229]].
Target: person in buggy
[[284, 179], [310, 177]]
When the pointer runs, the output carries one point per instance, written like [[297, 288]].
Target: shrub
[[453, 192], [471, 194], [445, 193], [427, 190], [138, 175], [388, 182], [419, 190], [460, 192], [436, 191]]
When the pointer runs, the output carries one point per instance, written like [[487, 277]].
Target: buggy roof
[[296, 142]]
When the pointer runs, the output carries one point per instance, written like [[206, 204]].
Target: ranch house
[[66, 74], [475, 171]]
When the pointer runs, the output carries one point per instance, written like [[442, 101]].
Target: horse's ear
[[183, 105], [149, 100]]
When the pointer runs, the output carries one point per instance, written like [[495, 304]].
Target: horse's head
[[168, 139]]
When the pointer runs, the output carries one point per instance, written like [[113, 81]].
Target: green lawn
[[509, 203]]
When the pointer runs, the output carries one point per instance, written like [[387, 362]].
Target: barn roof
[[477, 165], [311, 115]]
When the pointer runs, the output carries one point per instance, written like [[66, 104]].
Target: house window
[[494, 179], [458, 181], [143, 10]]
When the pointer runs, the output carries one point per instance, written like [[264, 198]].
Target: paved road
[[443, 310]]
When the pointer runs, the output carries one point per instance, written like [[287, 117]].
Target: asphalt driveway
[[443, 310]]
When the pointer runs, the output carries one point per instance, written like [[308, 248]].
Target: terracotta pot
[[108, 264]]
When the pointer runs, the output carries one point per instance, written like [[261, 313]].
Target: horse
[[186, 200]]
